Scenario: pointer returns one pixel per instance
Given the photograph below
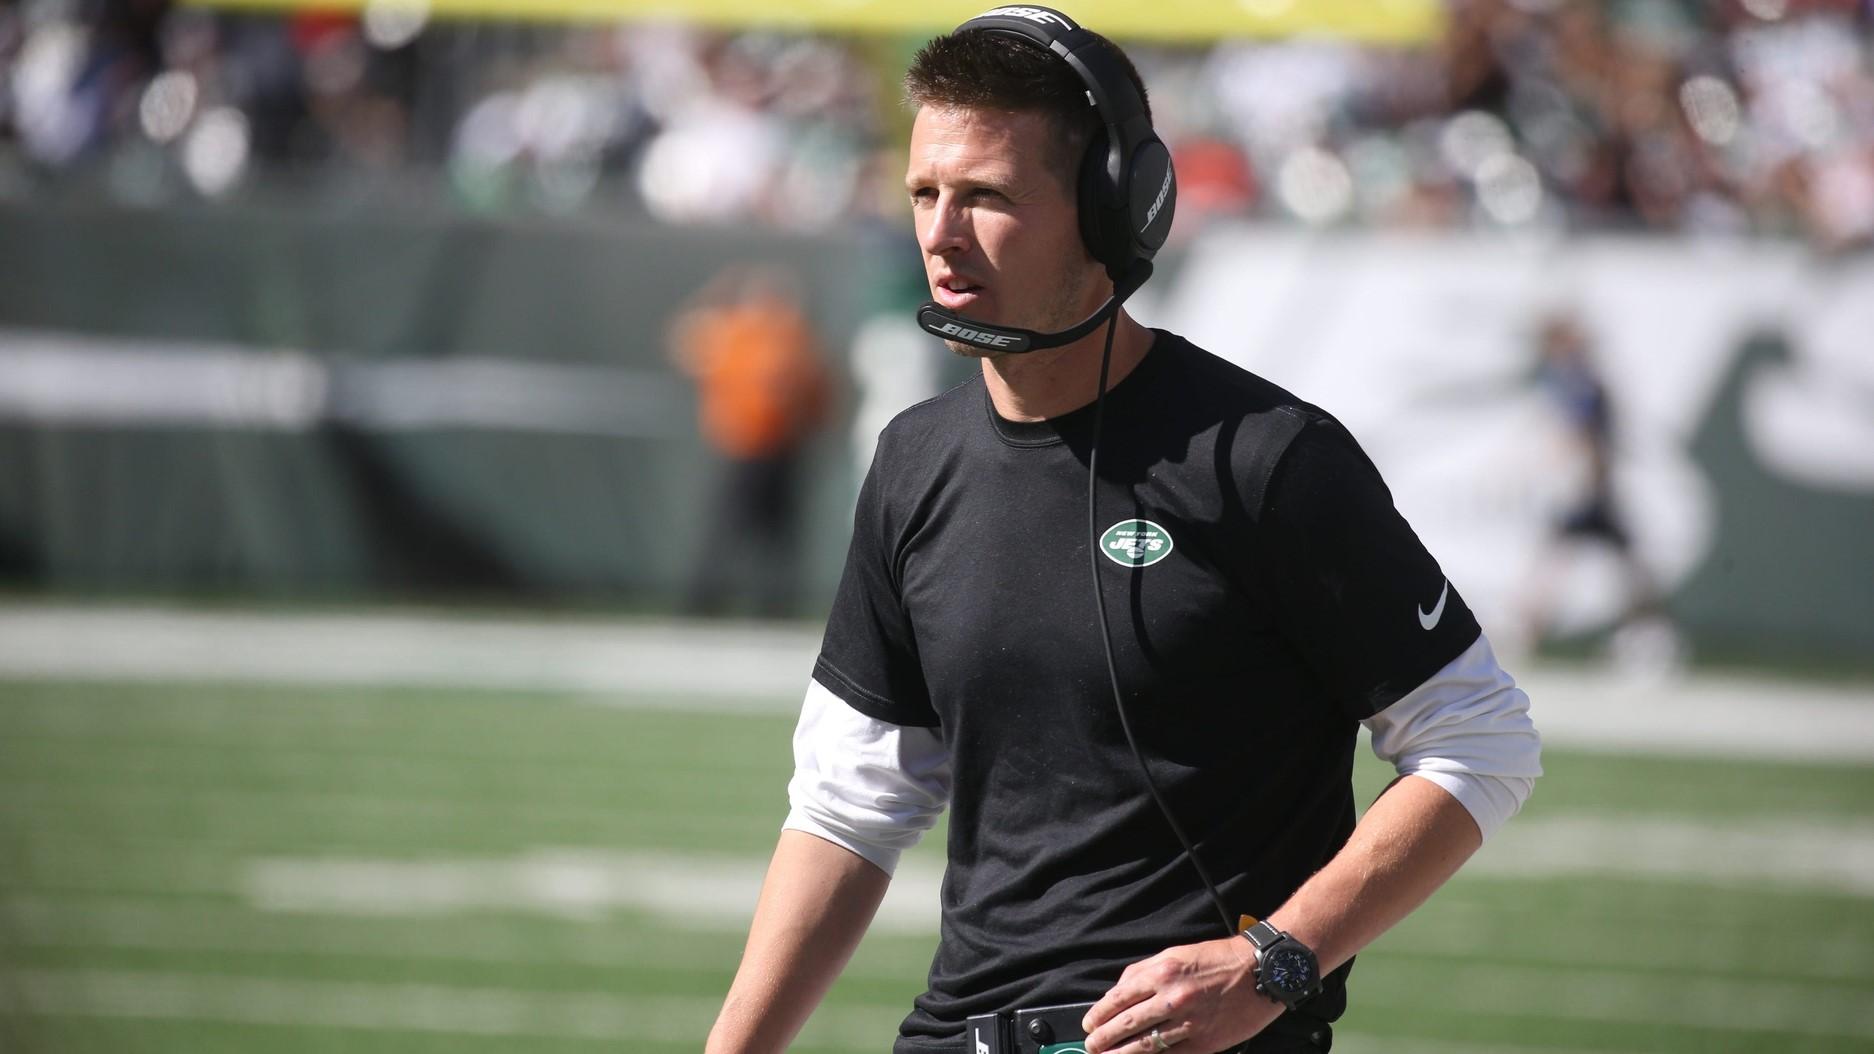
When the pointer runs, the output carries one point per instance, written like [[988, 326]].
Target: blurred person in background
[[1644, 638], [764, 391]]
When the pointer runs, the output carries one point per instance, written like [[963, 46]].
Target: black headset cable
[[1106, 637]]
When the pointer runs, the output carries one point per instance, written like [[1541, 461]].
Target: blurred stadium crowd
[[1699, 116]]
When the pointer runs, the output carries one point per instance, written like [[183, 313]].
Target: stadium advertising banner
[[277, 412], [1740, 419]]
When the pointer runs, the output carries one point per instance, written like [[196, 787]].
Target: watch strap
[[1263, 935]]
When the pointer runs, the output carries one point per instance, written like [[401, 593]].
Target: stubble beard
[[1063, 310]]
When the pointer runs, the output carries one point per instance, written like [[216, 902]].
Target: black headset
[[1126, 189]]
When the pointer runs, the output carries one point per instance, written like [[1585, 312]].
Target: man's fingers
[[1130, 989], [1110, 1006], [1141, 1042], [1134, 1022]]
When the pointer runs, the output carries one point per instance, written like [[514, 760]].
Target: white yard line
[[1796, 853], [1709, 715], [759, 667], [155, 922], [717, 893], [690, 891], [720, 665]]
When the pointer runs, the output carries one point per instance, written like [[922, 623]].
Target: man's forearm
[[1412, 839], [815, 905]]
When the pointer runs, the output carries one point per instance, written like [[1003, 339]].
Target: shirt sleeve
[[869, 657], [1357, 593], [1467, 729], [861, 783]]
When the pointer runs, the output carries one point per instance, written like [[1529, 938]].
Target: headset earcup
[[1153, 198], [1123, 223]]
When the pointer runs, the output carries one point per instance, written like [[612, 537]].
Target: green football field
[[215, 868]]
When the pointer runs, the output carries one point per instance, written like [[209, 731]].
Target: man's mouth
[[956, 293]]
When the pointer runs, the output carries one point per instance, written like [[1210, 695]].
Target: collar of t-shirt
[[1077, 424]]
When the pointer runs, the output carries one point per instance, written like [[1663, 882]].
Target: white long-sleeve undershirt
[[862, 783], [1467, 729], [875, 787]]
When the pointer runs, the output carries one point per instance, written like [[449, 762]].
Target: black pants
[[748, 550]]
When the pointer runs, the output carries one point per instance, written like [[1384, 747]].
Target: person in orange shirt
[[763, 391]]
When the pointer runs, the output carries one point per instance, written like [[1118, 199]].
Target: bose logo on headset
[[1032, 14], [1159, 201], [976, 336]]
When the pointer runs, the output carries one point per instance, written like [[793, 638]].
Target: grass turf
[[132, 815]]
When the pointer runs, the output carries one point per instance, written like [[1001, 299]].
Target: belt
[[1056, 1030]]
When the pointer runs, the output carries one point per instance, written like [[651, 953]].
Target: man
[[1644, 638], [1284, 602], [763, 390]]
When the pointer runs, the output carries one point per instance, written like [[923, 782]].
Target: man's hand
[[1202, 998]]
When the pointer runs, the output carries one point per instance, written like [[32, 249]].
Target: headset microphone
[[941, 322]]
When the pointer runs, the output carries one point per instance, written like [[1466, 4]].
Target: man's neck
[[1043, 384]]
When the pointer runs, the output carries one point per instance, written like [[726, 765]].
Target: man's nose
[[946, 228]]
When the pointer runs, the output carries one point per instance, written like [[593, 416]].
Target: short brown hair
[[977, 70]]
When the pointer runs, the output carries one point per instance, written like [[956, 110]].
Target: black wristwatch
[[1286, 969]]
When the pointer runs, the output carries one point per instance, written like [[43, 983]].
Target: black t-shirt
[[1284, 600]]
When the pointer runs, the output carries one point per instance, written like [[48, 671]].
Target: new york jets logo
[[1135, 543]]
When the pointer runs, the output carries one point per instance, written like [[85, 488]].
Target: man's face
[[1000, 236]]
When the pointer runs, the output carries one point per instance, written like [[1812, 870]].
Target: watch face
[[1288, 969]]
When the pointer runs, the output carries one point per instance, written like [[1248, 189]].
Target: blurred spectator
[[1703, 116], [1644, 639], [764, 392]]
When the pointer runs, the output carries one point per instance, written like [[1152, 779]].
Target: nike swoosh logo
[[1429, 619]]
